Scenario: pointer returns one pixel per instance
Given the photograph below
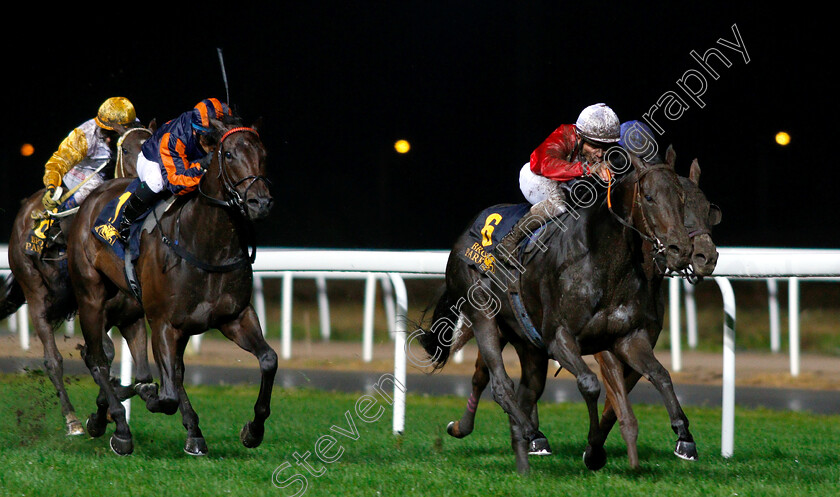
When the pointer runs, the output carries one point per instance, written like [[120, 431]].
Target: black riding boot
[[138, 202]]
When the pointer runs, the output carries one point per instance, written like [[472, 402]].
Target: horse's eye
[[228, 155], [648, 198]]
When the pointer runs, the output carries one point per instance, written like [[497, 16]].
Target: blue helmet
[[637, 138]]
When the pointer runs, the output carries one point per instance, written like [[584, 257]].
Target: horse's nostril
[[700, 258]]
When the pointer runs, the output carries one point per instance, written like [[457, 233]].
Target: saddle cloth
[[488, 229], [106, 227]]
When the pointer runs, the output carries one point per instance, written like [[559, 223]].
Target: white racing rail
[[392, 266]]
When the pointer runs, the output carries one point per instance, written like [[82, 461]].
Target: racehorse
[[42, 280], [195, 274], [589, 291], [700, 217]]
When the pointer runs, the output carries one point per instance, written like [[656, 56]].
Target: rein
[[658, 246]]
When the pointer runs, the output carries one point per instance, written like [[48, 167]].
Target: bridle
[[234, 200], [648, 234]]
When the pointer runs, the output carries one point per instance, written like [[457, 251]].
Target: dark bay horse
[[42, 280], [588, 292], [700, 217], [195, 274]]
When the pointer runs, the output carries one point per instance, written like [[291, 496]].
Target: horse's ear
[[152, 125], [670, 157], [715, 215], [638, 164], [694, 172], [257, 124], [218, 125], [119, 128]]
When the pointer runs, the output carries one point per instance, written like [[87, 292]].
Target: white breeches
[[537, 188], [149, 172]]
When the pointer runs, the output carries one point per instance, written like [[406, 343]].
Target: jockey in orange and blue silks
[[173, 158]]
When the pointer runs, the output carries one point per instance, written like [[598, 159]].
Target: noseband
[[233, 200]]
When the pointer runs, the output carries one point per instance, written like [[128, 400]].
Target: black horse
[[195, 274], [42, 280], [700, 217], [590, 290]]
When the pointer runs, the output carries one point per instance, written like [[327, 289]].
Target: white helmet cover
[[599, 123]]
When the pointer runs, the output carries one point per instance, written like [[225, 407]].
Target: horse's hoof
[[121, 446], [196, 446], [686, 450], [249, 437], [452, 430], [94, 428], [74, 429], [594, 459], [146, 390], [539, 446]]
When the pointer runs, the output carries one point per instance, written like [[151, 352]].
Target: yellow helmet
[[115, 110]]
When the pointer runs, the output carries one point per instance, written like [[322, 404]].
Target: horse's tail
[[438, 336], [11, 296]]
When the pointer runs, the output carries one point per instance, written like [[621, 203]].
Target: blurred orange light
[[782, 138], [26, 150], [402, 146]]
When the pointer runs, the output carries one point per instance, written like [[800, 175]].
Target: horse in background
[[42, 280]]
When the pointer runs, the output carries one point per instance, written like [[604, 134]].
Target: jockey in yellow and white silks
[[84, 153]]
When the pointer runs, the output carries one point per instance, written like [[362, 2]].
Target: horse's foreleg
[[165, 339], [195, 444], [617, 406], [480, 379], [246, 333], [637, 351], [565, 350]]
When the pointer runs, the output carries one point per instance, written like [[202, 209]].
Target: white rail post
[[286, 317], [727, 431], [399, 353], [125, 373], [674, 318], [259, 301], [323, 307], [22, 316], [367, 325], [773, 309], [690, 314], [793, 326], [388, 303]]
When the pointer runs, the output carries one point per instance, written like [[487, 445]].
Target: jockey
[[78, 162], [173, 158], [571, 151]]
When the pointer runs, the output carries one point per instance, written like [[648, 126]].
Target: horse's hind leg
[[617, 405], [54, 364], [534, 365], [489, 343], [93, 327], [637, 352], [480, 379], [246, 333]]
